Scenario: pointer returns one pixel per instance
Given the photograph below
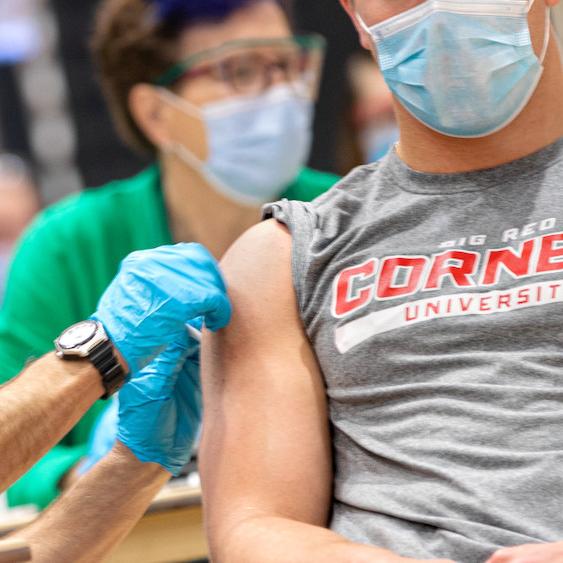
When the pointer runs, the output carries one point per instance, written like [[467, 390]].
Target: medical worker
[[221, 94], [136, 343], [391, 385]]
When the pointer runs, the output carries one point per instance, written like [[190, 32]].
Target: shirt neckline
[[395, 170]]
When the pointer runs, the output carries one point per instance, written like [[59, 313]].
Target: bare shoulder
[[257, 268]]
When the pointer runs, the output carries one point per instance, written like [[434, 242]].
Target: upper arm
[[266, 446]]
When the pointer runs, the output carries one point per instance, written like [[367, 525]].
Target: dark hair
[[183, 12], [136, 41]]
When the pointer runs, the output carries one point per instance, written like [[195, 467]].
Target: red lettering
[[517, 264], [411, 316], [484, 304], [387, 288], [346, 299], [554, 289], [524, 296], [504, 300], [465, 305], [432, 308], [460, 273], [551, 254]]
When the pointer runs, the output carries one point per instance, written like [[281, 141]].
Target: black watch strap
[[105, 361]]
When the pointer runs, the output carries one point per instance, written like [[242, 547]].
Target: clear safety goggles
[[252, 66]]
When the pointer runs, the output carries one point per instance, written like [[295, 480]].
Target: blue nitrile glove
[[155, 293], [102, 437], [160, 407]]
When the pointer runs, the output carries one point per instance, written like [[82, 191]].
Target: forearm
[[88, 521], [38, 408], [281, 540]]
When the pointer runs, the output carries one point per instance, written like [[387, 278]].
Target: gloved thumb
[[218, 312]]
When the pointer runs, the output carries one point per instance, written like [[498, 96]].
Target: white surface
[[3, 504]]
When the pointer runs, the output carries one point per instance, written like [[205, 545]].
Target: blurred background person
[[19, 202], [333, 150], [374, 120], [369, 127], [219, 95]]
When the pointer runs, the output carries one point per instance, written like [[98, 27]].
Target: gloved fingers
[[169, 285], [217, 312], [189, 405], [156, 381], [188, 387], [155, 293], [199, 293], [168, 266]]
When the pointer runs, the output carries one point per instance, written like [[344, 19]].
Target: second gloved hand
[[155, 293], [102, 437], [160, 407]]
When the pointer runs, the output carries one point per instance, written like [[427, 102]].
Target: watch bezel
[[82, 349]]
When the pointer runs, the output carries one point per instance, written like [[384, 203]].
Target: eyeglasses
[[252, 66]]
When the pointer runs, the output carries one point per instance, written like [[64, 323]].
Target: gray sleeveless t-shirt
[[434, 304]]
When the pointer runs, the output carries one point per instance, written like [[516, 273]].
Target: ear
[[150, 113], [364, 38]]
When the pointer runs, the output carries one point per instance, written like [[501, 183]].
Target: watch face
[[78, 334]]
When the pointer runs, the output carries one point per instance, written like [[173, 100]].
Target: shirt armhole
[[299, 218]]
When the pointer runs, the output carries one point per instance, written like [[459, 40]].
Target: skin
[[111, 498], [210, 218], [427, 151], [56, 392], [196, 211], [266, 459]]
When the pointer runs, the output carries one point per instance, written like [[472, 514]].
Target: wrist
[[116, 344], [89, 340], [124, 457], [79, 373]]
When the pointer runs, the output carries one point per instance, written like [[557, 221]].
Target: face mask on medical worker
[[463, 68], [260, 138]]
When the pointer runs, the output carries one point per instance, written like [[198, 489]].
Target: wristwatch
[[88, 340]]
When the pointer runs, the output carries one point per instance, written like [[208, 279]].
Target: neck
[[198, 213], [540, 124]]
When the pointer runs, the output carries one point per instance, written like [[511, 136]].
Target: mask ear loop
[[547, 31], [180, 103], [365, 28], [184, 106], [175, 147], [547, 34]]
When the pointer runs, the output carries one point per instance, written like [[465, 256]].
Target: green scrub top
[[63, 264]]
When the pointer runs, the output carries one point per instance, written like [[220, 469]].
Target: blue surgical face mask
[[257, 145], [464, 68]]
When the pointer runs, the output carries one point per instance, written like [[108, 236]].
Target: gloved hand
[[102, 437], [154, 295], [160, 407]]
